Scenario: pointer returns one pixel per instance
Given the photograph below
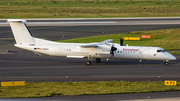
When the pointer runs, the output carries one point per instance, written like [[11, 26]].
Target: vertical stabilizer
[[21, 32]]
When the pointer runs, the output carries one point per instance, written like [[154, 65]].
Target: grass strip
[[88, 8], [168, 39], [175, 52], [45, 89]]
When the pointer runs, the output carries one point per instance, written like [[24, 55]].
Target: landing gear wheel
[[166, 63], [88, 63], [98, 60]]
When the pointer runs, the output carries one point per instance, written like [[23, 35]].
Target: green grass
[[45, 89], [88, 8], [168, 39], [175, 52]]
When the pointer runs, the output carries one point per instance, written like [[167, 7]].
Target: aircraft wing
[[106, 41], [95, 48], [96, 44]]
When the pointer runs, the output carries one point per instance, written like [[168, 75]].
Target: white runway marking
[[92, 22]]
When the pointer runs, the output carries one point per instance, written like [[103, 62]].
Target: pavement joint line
[[84, 76], [83, 66], [3, 52], [97, 66], [98, 18], [155, 99], [6, 53], [5, 31], [102, 65], [135, 76], [6, 38], [35, 29], [54, 23], [54, 62]]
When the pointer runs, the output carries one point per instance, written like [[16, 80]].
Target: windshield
[[161, 51]]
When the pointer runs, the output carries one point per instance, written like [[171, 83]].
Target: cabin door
[[140, 55], [61, 51]]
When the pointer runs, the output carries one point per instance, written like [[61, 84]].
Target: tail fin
[[20, 31]]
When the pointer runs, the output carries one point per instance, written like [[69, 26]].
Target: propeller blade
[[113, 54], [112, 50]]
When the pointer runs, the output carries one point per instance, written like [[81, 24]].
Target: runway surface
[[29, 67], [20, 64]]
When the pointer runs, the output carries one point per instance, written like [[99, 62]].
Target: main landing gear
[[89, 60], [88, 63], [98, 60]]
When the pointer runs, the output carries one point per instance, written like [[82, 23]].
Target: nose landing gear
[[166, 62]]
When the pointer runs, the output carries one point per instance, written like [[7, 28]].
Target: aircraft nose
[[171, 57], [174, 58]]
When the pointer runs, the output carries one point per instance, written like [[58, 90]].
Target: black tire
[[98, 60], [88, 63], [166, 63]]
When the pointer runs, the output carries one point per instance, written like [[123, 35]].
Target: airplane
[[98, 50]]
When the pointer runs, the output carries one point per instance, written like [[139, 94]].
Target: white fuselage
[[122, 52], [104, 49]]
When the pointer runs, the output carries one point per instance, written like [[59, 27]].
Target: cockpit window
[[161, 51]]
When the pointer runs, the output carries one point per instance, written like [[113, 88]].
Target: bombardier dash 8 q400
[[99, 50]]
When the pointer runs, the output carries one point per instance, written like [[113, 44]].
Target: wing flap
[[69, 56]]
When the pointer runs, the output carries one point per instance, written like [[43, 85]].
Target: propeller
[[112, 50], [121, 41]]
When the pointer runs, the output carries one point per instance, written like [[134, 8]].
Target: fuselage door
[[61, 51], [140, 55]]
